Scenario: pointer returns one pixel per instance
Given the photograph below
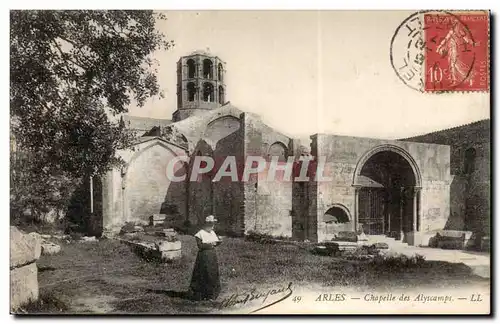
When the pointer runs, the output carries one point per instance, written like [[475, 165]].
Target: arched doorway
[[337, 219], [337, 214], [387, 183]]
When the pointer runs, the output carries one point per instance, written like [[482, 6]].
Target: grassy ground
[[106, 277]]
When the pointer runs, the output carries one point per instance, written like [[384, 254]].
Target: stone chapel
[[387, 187]]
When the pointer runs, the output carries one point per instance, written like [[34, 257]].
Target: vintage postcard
[[250, 162]]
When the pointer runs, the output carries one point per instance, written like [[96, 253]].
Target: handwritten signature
[[253, 295]]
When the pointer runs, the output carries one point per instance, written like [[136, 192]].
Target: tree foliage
[[70, 71]]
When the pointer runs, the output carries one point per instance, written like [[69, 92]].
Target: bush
[[361, 253], [265, 238], [36, 194], [398, 261], [47, 303], [326, 248]]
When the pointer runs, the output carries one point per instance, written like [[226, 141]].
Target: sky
[[308, 72]]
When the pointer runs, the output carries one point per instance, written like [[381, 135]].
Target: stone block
[[380, 246], [24, 248], [23, 286], [455, 234], [334, 248], [157, 219], [347, 246], [451, 239], [171, 237], [450, 244], [147, 245], [61, 237], [168, 246], [171, 255], [168, 233], [87, 239], [130, 235], [49, 248], [432, 239], [346, 236]]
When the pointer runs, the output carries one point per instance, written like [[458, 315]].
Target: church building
[[398, 188]]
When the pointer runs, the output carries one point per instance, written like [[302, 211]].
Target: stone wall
[[271, 136], [228, 194], [343, 155], [274, 201], [132, 194], [435, 205], [304, 203], [142, 188], [222, 138], [267, 205], [312, 219], [24, 252], [200, 191], [328, 197], [471, 186], [252, 146], [274, 206]]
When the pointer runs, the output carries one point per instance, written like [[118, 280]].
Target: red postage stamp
[[456, 51]]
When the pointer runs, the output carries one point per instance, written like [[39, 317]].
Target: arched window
[[208, 92], [191, 89], [470, 160], [191, 65], [207, 69], [221, 95], [278, 149], [220, 70]]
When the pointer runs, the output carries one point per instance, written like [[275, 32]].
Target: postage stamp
[[437, 51]]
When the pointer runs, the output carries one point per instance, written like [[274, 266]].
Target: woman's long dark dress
[[205, 282]]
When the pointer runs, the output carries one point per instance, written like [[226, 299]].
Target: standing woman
[[205, 283]]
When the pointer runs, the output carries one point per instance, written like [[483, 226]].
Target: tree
[[69, 72]]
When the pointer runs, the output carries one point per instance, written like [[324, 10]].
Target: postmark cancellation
[[443, 51]]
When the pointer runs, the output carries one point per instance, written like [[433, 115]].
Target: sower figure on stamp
[[459, 70], [205, 282]]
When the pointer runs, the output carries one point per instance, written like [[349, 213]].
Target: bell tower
[[200, 84]]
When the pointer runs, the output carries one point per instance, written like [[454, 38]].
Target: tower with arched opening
[[200, 84]]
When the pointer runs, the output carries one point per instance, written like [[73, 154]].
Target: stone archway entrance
[[387, 183]]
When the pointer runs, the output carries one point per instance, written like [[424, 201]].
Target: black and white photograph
[[237, 162]]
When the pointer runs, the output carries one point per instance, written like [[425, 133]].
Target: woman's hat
[[210, 219]]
